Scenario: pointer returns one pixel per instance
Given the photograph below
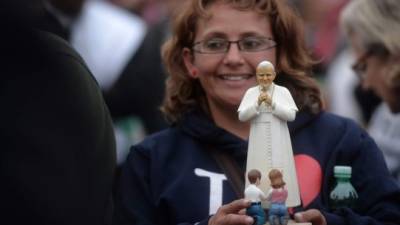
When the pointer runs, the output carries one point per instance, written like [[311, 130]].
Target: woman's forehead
[[224, 18]]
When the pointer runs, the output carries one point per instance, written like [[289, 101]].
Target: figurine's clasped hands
[[232, 213], [264, 97], [268, 100]]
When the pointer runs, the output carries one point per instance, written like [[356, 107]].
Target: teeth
[[235, 77]]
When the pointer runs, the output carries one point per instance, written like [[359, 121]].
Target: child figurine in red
[[277, 195]]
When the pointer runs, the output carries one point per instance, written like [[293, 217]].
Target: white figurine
[[270, 107]]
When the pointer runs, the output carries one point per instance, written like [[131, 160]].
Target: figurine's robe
[[270, 146]]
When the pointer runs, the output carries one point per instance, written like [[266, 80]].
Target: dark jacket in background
[[57, 152]]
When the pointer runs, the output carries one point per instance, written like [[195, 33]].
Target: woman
[[373, 28], [215, 47]]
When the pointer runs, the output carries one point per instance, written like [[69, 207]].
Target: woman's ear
[[188, 60]]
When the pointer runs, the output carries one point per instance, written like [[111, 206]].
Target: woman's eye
[[215, 44], [251, 44]]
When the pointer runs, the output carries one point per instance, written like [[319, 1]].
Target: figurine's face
[[225, 77], [265, 79]]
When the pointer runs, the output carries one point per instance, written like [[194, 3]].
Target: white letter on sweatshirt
[[216, 184]]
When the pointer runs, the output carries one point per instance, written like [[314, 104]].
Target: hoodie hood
[[200, 126]]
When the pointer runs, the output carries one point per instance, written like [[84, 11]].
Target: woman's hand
[[232, 213], [313, 216]]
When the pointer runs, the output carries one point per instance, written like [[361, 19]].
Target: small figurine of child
[[255, 195], [277, 195]]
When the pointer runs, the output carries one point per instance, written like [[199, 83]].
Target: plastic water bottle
[[344, 194]]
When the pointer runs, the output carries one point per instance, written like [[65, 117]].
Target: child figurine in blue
[[277, 195], [255, 195]]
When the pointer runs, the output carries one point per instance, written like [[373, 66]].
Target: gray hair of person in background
[[377, 25]]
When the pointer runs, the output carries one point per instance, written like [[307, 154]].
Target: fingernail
[[249, 220], [298, 217]]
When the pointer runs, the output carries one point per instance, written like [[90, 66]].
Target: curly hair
[[294, 63]]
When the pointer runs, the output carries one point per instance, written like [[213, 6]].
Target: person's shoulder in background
[[58, 148]]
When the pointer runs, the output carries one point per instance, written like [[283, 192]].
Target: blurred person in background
[[343, 94], [322, 30], [146, 70], [373, 29], [135, 6], [112, 42], [151, 11], [329, 49], [57, 154]]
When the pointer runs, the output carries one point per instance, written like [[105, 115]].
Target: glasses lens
[[215, 45], [253, 44], [360, 66]]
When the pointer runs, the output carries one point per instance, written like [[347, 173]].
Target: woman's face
[[374, 71], [226, 76]]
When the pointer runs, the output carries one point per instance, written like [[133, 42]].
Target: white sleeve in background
[[106, 37]]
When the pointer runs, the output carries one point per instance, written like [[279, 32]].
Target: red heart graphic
[[309, 176]]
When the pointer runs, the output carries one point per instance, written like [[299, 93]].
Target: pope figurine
[[269, 107]]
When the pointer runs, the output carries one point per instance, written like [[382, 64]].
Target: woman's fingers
[[312, 215], [234, 219], [232, 214], [235, 206]]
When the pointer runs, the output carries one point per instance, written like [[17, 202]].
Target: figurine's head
[[254, 176], [265, 73], [276, 178]]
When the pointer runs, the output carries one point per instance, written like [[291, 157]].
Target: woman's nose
[[233, 56]]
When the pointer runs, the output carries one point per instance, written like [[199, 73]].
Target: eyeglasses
[[375, 49], [220, 45], [360, 66]]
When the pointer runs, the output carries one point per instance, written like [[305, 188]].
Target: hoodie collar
[[198, 125]]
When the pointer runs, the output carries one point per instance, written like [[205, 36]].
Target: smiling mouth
[[238, 77]]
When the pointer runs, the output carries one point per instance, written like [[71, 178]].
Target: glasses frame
[[360, 66], [237, 42]]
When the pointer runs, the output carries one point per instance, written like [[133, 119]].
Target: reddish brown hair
[[276, 178]]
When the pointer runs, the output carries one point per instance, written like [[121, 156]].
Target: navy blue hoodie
[[170, 178]]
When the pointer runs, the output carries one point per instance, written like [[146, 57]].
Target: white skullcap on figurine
[[265, 67]]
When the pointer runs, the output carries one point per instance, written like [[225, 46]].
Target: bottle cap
[[342, 171]]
